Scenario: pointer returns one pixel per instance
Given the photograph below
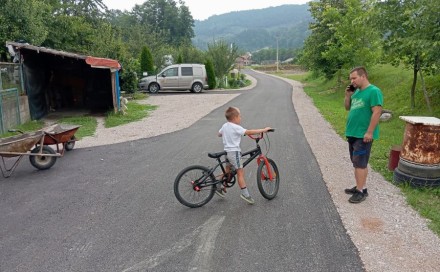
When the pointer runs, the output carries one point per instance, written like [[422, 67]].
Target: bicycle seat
[[216, 155]]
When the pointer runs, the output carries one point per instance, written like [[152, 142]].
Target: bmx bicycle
[[195, 185]]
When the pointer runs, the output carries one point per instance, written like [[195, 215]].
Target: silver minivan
[[177, 77]]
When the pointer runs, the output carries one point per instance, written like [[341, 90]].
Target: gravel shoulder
[[389, 235]]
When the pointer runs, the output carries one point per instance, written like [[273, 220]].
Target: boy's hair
[[231, 112], [361, 71]]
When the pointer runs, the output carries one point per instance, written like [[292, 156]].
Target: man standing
[[364, 102]]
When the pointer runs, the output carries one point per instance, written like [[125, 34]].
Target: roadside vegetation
[[395, 82], [135, 112]]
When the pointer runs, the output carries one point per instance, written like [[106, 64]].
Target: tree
[[129, 77], [191, 54], [167, 20], [179, 59], [223, 56], [23, 20], [147, 64], [133, 32], [411, 31], [185, 25], [211, 74], [341, 37]]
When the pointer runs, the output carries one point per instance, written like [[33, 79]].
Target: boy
[[231, 133]]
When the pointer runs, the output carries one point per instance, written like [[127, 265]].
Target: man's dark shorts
[[359, 151]]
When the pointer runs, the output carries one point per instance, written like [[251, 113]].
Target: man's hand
[[347, 100], [368, 137]]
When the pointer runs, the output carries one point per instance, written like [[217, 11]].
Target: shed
[[56, 80]]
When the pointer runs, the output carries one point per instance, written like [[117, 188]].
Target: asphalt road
[[112, 208]]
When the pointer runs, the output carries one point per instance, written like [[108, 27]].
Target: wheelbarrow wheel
[[70, 144], [42, 162]]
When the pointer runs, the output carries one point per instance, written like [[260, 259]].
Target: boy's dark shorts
[[359, 151]]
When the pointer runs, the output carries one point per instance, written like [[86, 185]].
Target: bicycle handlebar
[[260, 135]]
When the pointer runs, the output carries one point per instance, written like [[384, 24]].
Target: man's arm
[[347, 101], [375, 117]]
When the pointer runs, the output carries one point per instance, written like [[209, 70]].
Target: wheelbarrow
[[60, 135], [29, 144]]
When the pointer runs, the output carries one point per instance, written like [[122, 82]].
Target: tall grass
[[395, 84]]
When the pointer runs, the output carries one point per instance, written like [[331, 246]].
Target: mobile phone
[[352, 88]]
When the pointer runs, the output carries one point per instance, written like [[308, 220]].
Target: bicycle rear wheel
[[268, 188], [193, 187]]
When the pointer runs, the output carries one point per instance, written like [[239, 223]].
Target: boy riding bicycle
[[231, 133]]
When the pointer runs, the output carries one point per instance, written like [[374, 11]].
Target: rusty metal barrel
[[421, 141], [419, 163]]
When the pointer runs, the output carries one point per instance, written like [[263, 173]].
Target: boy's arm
[[219, 134], [256, 131]]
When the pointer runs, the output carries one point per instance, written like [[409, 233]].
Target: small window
[[187, 71]]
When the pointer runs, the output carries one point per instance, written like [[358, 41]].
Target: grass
[[26, 127], [88, 125], [135, 112], [395, 84]]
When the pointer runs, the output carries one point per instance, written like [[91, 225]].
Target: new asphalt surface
[[112, 208]]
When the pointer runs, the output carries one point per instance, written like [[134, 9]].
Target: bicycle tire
[[185, 191], [268, 188]]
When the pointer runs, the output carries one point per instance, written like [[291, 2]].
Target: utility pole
[[277, 53]]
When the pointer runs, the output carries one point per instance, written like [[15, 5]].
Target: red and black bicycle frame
[[254, 153]]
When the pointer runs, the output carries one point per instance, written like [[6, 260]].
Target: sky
[[202, 9]]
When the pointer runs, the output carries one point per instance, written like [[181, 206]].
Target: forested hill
[[255, 29]]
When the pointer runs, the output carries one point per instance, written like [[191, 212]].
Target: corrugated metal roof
[[39, 49], [94, 62]]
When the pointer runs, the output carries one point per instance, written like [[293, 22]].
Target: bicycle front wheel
[[267, 187], [194, 187]]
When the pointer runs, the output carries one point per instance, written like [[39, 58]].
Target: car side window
[[187, 71], [170, 72]]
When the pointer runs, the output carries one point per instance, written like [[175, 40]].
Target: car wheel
[[153, 88], [197, 88]]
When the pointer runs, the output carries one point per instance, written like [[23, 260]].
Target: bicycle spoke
[[268, 187], [192, 187]]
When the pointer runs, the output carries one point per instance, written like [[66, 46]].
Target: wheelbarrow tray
[[41, 157], [57, 134], [19, 144]]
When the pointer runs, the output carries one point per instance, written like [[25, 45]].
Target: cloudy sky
[[202, 9]]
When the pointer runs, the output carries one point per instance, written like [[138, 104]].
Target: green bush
[[211, 74]]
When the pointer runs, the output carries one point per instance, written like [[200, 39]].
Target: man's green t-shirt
[[359, 116]]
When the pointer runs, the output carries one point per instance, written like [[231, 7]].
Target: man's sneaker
[[353, 190], [220, 192], [357, 197], [248, 199]]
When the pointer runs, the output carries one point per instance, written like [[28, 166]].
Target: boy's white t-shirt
[[231, 136]]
